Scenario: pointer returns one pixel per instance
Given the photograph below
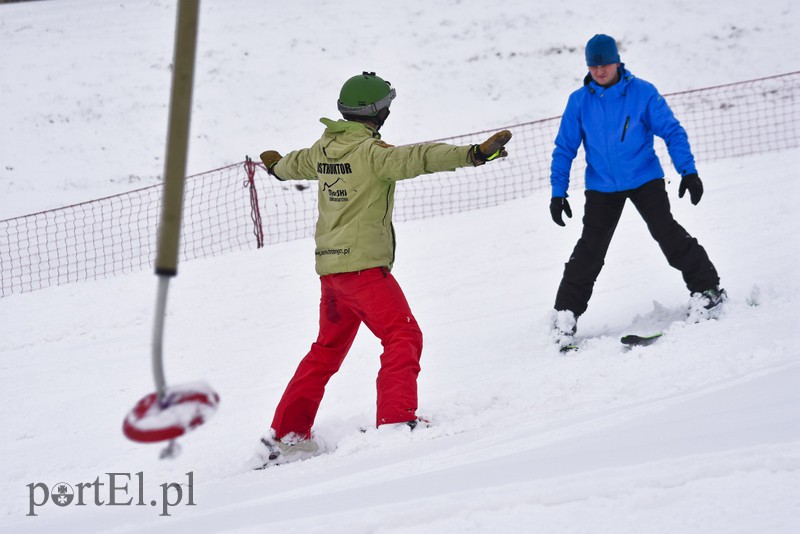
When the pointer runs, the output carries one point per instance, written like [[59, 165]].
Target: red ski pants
[[348, 299]]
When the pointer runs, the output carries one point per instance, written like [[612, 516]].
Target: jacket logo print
[[335, 195]]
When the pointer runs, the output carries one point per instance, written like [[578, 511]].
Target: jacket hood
[[343, 136]]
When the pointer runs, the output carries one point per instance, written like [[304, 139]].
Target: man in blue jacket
[[615, 116]]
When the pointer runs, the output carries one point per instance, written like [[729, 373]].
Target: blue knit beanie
[[601, 50]]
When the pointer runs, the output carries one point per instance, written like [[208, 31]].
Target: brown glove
[[270, 158], [492, 148]]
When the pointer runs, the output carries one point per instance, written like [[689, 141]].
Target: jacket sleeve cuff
[[275, 174]]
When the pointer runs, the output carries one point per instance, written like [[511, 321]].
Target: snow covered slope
[[698, 433]]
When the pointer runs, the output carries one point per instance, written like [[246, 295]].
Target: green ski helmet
[[365, 96]]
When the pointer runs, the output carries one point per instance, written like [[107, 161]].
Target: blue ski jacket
[[616, 126]]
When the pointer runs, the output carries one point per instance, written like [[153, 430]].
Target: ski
[[571, 347], [633, 340], [630, 340]]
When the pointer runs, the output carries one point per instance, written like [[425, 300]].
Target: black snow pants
[[601, 215]]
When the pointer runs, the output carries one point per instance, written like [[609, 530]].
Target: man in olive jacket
[[355, 248]]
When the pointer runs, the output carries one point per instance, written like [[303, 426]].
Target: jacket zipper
[[394, 243], [391, 226], [386, 211], [625, 129]]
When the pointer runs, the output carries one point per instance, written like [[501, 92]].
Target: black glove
[[694, 185], [557, 205], [492, 148]]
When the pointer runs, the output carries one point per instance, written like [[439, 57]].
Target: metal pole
[[174, 171]]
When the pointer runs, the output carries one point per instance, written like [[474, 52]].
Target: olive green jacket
[[357, 174]]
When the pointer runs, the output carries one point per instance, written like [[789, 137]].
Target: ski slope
[[697, 433]]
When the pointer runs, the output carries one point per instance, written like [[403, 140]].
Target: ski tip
[[636, 340]]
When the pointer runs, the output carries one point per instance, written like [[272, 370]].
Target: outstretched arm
[[400, 163], [294, 166]]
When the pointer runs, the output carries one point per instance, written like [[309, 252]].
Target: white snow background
[[699, 433]]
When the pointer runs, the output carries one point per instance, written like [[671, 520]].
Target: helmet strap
[[381, 118], [376, 121]]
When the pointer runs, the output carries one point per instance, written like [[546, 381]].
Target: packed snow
[[698, 433]]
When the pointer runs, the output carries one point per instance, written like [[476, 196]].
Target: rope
[[255, 212]]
